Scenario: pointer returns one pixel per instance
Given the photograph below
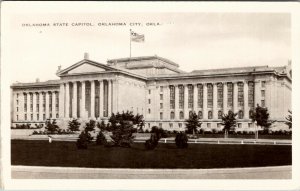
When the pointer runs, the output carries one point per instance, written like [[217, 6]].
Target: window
[[171, 125], [181, 96], [209, 114], [50, 115], [44, 117], [37, 107], [17, 95], [172, 115], [181, 115], [161, 105], [57, 115], [251, 94], [25, 102], [17, 117], [250, 125], [17, 109], [263, 84], [31, 117], [17, 102], [172, 97], [37, 116], [161, 96], [200, 115], [219, 125], [190, 113], [240, 94], [229, 94], [220, 113], [209, 95], [149, 125], [149, 111], [239, 125], [25, 116], [208, 125], [179, 125], [44, 101], [161, 115], [50, 101], [200, 96], [149, 101], [149, 91], [241, 114], [263, 103], [190, 96], [250, 113], [56, 102], [161, 88], [160, 125], [31, 102], [220, 95], [263, 93]]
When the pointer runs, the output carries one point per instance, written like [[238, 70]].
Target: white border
[[9, 8]]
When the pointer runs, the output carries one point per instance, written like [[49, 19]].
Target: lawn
[[41, 153]]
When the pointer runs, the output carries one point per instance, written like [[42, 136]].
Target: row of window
[[210, 95], [38, 101], [200, 114], [37, 117], [180, 125]]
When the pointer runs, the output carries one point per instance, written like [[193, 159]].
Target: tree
[[228, 121], [74, 125], [289, 119], [261, 117], [85, 136], [139, 121], [102, 126], [192, 123], [90, 126], [122, 128], [51, 126], [181, 140]]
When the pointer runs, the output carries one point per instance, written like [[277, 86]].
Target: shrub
[[152, 142], [100, 140], [214, 131], [147, 131], [73, 125], [181, 140], [122, 134], [51, 126], [35, 133], [160, 133], [84, 139]]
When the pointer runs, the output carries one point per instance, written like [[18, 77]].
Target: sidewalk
[[34, 172]]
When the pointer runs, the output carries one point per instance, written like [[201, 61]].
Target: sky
[[194, 40]]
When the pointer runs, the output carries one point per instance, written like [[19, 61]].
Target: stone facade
[[155, 87]]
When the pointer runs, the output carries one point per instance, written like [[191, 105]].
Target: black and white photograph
[[163, 92]]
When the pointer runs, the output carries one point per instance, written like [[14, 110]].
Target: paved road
[[29, 172]]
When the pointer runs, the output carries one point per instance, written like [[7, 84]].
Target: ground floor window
[[160, 125], [239, 125], [209, 125], [171, 125], [179, 125]]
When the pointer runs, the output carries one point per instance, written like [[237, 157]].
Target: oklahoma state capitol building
[[158, 89]]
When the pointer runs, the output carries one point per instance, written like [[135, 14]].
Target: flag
[[135, 37]]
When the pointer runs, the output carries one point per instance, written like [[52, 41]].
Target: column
[[235, 97], [53, 105], [74, 101], [61, 100], [115, 97], [185, 103], [205, 101], [67, 100], [176, 111], [34, 107], [246, 107], [195, 96], [257, 94], [21, 106], [47, 105], [28, 106], [225, 93], [92, 99], [101, 98], [82, 108], [109, 97], [166, 102], [215, 101], [41, 106]]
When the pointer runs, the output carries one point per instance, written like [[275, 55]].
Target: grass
[[65, 154]]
